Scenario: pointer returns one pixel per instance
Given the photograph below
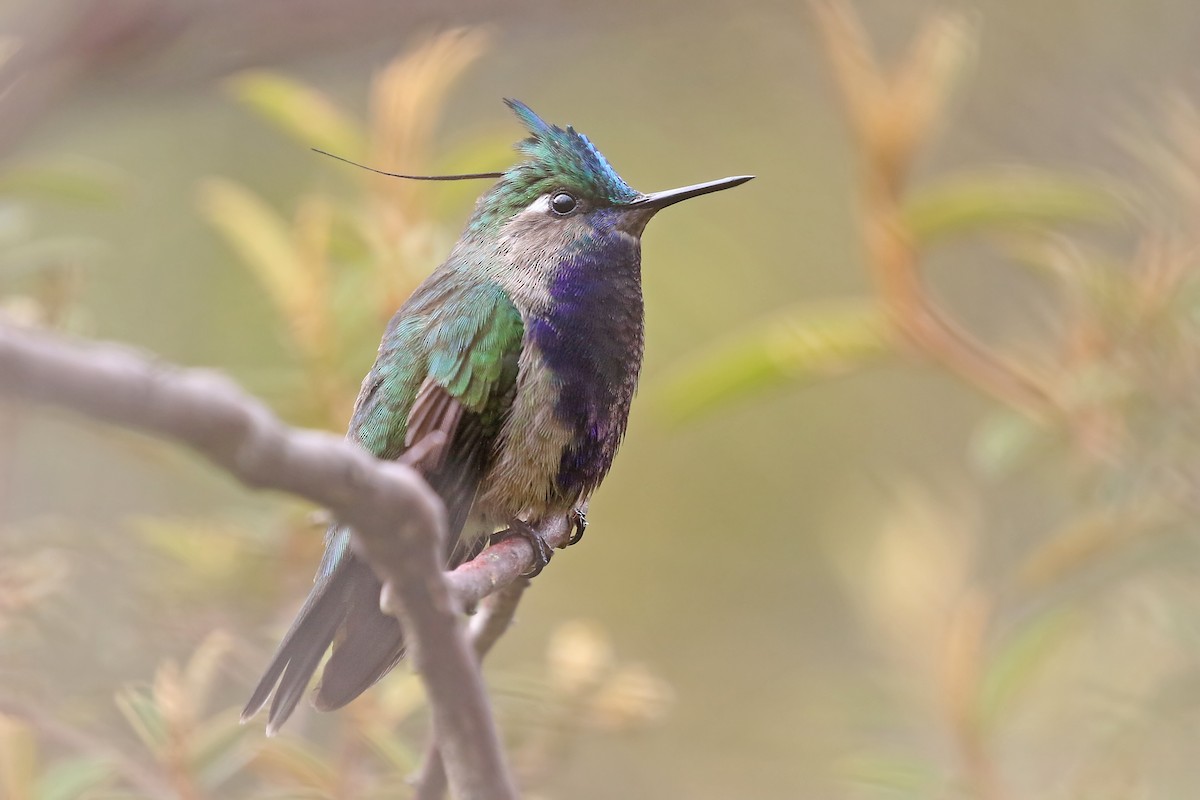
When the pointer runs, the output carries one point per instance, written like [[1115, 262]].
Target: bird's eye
[[562, 203]]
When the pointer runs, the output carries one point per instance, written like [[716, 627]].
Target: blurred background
[[844, 552]]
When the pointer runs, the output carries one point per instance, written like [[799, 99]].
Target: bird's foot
[[542, 552], [579, 525]]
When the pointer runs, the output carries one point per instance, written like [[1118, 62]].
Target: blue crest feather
[[569, 154]]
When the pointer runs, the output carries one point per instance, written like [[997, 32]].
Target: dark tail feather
[[345, 607], [299, 653], [371, 642], [368, 646]]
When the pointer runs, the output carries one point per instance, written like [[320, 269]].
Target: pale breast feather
[[520, 482]]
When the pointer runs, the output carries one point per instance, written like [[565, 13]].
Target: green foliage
[[23, 775], [300, 111], [800, 345], [74, 182], [74, 778], [808, 343], [1014, 666], [1007, 198], [295, 278], [1103, 398], [335, 273], [892, 778], [38, 272]]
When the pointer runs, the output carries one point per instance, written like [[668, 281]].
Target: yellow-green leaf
[[210, 550], [77, 182], [48, 254], [801, 344], [1008, 197], [1022, 658], [291, 761], [397, 753], [299, 111], [144, 717], [896, 776], [200, 673], [260, 236], [73, 779], [218, 748]]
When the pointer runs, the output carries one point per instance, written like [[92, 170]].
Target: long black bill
[[659, 200]]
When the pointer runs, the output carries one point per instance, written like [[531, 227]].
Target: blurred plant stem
[[964, 669], [1118, 364], [892, 115]]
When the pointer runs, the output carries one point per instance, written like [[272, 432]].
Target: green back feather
[[464, 343]]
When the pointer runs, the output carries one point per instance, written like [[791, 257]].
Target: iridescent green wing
[[448, 366]]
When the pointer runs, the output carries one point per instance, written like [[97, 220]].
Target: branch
[[495, 617], [504, 562], [397, 519], [488, 624], [496, 579]]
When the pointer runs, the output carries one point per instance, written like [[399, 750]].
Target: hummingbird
[[518, 359]]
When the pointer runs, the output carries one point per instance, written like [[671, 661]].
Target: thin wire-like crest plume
[[469, 176]]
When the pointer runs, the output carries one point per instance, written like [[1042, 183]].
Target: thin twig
[[504, 562], [495, 617], [397, 519], [917, 318]]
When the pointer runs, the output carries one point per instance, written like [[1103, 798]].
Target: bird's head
[[566, 188]]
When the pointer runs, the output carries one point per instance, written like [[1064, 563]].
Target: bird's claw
[[579, 525], [542, 552]]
